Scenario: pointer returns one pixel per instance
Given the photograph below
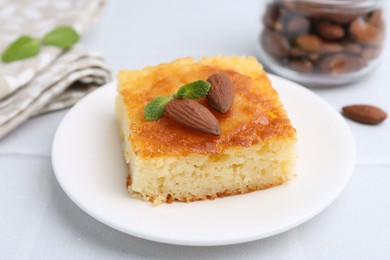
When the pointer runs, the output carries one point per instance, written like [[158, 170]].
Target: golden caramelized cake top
[[256, 115]]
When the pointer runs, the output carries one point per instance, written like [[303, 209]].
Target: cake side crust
[[197, 177]]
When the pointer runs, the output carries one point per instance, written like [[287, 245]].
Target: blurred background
[[133, 34], [39, 221], [152, 31]]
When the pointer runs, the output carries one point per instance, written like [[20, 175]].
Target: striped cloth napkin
[[54, 79]]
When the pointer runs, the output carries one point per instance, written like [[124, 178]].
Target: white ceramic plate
[[89, 165]]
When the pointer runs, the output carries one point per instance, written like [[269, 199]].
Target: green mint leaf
[[194, 90], [22, 48], [62, 36], [155, 108]]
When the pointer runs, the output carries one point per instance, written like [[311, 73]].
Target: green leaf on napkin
[[25, 46], [22, 48], [62, 36]]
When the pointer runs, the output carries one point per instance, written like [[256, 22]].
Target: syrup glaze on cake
[[256, 116]]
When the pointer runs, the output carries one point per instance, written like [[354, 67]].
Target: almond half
[[365, 114], [191, 114], [221, 94]]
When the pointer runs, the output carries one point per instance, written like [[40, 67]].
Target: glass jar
[[322, 43]]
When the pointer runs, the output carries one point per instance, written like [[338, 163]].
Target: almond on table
[[365, 114]]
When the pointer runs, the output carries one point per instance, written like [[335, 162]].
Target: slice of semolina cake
[[170, 162]]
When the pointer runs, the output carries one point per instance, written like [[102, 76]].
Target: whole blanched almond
[[221, 94], [191, 114], [365, 114]]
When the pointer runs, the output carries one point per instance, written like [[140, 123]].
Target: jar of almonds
[[322, 43]]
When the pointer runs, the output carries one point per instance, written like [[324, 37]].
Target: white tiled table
[[38, 221]]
